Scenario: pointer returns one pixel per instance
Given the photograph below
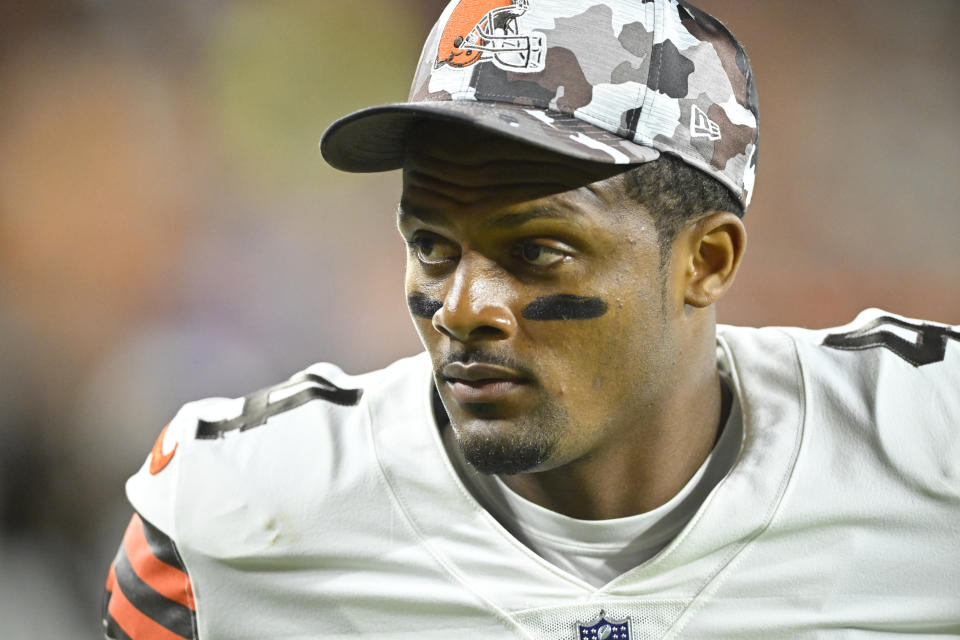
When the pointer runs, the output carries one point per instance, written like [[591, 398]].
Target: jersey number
[[258, 408], [930, 345]]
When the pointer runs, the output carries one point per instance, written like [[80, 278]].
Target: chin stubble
[[528, 444]]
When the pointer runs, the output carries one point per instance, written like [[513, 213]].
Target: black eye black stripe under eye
[[565, 307], [423, 306], [558, 307]]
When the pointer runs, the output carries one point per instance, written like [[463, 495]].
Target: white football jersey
[[327, 507]]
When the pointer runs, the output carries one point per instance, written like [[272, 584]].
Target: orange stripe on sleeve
[[168, 581], [134, 623], [111, 577]]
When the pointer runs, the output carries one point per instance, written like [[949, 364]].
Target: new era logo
[[702, 126]]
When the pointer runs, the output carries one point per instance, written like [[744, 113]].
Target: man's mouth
[[481, 382]]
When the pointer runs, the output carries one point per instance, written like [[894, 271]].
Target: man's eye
[[433, 250], [539, 255]]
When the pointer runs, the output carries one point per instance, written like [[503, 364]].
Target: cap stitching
[[647, 106]]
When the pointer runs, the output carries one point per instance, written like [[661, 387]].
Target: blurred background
[[168, 229]]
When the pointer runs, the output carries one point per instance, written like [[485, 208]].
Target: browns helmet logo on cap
[[480, 30]]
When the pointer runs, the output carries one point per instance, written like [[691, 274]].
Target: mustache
[[474, 356]]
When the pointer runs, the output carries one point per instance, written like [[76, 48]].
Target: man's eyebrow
[[511, 220], [405, 213], [505, 221]]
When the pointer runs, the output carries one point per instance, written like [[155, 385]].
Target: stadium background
[[168, 230]]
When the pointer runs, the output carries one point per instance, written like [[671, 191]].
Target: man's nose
[[475, 306]]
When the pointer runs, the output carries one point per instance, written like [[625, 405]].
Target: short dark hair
[[677, 194]]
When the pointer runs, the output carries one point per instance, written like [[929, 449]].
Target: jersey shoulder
[[303, 435], [909, 363], [878, 349], [884, 381], [889, 336]]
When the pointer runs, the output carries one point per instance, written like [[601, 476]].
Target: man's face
[[535, 285]]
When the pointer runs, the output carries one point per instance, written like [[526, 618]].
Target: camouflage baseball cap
[[612, 81]]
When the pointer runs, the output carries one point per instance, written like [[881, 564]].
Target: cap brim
[[374, 139]]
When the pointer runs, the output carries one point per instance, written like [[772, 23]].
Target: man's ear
[[715, 246]]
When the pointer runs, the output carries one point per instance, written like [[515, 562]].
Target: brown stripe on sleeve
[[161, 545], [171, 581]]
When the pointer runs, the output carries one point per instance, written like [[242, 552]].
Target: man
[[581, 452]]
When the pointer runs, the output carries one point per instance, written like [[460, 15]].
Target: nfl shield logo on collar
[[603, 629]]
